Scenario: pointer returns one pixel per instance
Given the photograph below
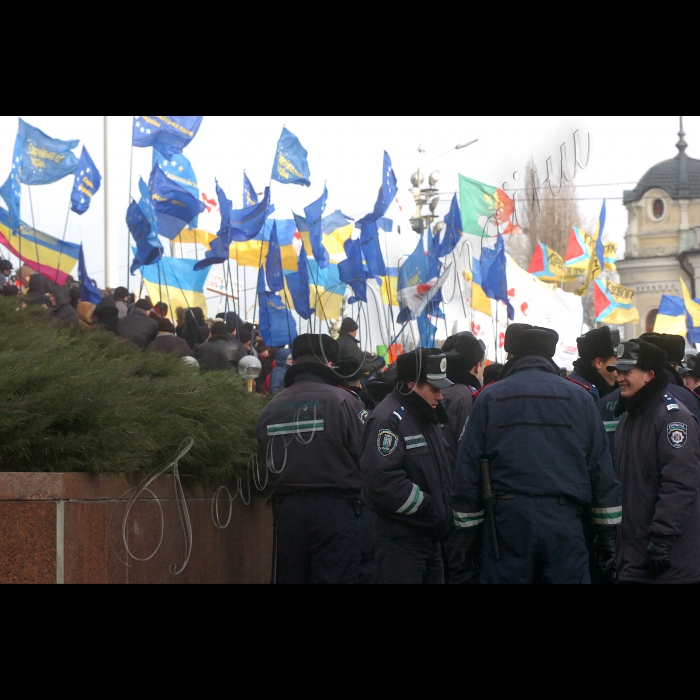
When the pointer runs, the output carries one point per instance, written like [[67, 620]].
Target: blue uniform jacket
[[543, 437]]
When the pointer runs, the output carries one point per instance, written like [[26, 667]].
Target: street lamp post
[[429, 196]]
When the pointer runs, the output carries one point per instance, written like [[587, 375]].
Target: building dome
[[680, 177]]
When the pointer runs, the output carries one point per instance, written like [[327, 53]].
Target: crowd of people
[[443, 468]]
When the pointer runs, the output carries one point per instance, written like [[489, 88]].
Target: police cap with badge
[[639, 354], [425, 365]]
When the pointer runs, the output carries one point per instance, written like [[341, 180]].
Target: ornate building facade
[[663, 235]]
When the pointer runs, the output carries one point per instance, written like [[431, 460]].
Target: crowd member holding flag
[[541, 443], [657, 453]]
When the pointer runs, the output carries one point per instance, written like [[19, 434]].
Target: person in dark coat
[[38, 290], [465, 368], [657, 450], [691, 375], [597, 350], [168, 342], [138, 327], [5, 272], [221, 352], [310, 435], [350, 373], [107, 315], [192, 333], [233, 322], [406, 475], [549, 460], [62, 309], [492, 373], [350, 346], [284, 362]]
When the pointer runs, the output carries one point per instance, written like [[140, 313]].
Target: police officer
[[310, 435], [549, 461], [691, 375], [465, 368], [674, 348], [406, 473], [658, 462], [597, 350]]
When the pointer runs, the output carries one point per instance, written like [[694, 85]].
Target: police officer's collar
[[420, 408]]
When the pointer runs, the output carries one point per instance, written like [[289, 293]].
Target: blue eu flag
[[275, 275], [88, 290], [250, 196], [291, 166], [371, 249], [277, 325], [148, 248], [298, 283], [453, 231], [44, 160], [87, 182], [247, 223], [175, 206], [314, 220], [169, 135], [11, 191], [387, 194], [179, 169], [352, 272]]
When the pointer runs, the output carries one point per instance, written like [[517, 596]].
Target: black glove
[[605, 548], [659, 556], [473, 541]]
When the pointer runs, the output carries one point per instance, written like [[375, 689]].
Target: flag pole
[[60, 255], [36, 243], [107, 240]]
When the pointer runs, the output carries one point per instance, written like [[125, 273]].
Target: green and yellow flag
[[483, 205]]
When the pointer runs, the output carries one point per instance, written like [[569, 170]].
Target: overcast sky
[[346, 153]]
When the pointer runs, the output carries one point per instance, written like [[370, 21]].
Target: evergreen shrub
[[75, 400]]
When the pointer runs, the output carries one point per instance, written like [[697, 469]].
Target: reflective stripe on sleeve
[[466, 520], [414, 502], [611, 426], [606, 516]]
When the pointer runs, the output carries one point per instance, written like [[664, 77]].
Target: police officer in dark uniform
[[597, 350], [658, 462], [406, 473], [311, 436], [674, 348], [549, 461], [691, 374], [465, 368]]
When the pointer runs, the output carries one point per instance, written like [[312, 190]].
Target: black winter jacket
[[543, 437], [107, 314], [350, 347], [458, 406], [657, 450], [310, 435], [405, 470], [170, 344], [220, 355], [138, 328], [64, 311]]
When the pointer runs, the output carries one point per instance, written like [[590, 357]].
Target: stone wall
[[74, 529]]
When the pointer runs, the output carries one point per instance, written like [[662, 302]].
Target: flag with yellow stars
[[178, 169]]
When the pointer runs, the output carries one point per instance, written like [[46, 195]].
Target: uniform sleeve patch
[[677, 435], [387, 442], [364, 415]]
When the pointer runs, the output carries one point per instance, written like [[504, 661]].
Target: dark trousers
[[318, 540], [405, 557], [541, 542]]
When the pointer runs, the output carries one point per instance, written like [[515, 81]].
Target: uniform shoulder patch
[[387, 442], [677, 435], [364, 415], [399, 412], [671, 403]]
